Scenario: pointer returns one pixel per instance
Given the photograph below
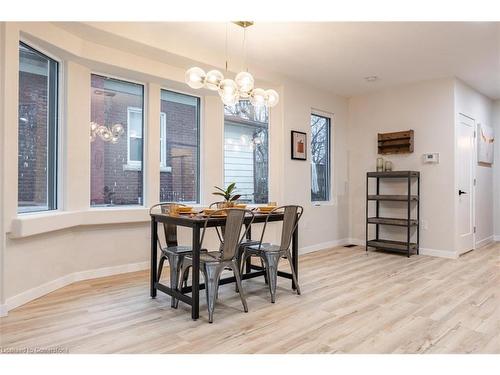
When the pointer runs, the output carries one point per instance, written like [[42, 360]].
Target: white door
[[465, 186]]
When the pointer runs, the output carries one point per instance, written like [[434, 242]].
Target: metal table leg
[[154, 256], [195, 307]]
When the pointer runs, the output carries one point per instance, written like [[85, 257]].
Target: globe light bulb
[[245, 83], [228, 88], [230, 100], [195, 77], [117, 130], [258, 97], [213, 79], [272, 98]]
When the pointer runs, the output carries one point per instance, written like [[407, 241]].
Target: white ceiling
[[335, 56]]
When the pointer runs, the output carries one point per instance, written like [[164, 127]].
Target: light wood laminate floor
[[351, 303]]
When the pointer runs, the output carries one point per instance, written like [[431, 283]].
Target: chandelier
[[232, 91], [106, 134]]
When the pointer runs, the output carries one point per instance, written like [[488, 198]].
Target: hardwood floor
[[351, 303]]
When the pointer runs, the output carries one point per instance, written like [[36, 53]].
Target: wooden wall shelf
[[395, 143]]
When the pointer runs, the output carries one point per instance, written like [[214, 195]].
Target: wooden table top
[[191, 220]]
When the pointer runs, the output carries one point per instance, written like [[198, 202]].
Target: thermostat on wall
[[431, 158]]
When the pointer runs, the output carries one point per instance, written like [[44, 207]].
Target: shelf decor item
[[299, 149], [388, 166], [411, 201], [395, 143], [380, 164]]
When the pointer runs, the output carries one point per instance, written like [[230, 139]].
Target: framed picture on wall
[[299, 145]]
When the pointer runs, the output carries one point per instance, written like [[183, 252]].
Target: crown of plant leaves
[[227, 193]]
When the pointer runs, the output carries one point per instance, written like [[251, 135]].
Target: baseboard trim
[[323, 246], [438, 253], [3, 310], [484, 241], [423, 251], [496, 237], [39, 291], [356, 241]]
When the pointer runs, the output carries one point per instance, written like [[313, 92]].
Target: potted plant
[[228, 194]]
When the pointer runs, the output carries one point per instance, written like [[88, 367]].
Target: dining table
[[197, 222]]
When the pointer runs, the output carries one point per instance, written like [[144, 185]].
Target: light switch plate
[[431, 158]]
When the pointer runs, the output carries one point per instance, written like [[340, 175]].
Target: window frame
[[145, 118], [199, 149], [328, 188], [54, 129], [269, 156]]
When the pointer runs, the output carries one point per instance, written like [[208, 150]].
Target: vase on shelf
[[388, 166], [380, 164]]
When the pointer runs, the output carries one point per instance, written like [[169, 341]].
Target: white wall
[[327, 223], [471, 103], [2, 122], [427, 108], [45, 251], [496, 167]]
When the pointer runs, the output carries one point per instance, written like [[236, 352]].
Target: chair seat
[[246, 243], [179, 250], [264, 247], [208, 257]]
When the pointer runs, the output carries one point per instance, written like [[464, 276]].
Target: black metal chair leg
[[160, 267]]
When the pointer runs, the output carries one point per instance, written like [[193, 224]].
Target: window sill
[[33, 224], [330, 203], [133, 167]]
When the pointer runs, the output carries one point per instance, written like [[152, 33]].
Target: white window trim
[[163, 142], [132, 164]]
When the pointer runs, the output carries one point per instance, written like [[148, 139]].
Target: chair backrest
[[169, 230], [232, 234], [291, 217], [218, 205]]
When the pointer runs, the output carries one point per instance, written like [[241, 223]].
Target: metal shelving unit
[[410, 199]]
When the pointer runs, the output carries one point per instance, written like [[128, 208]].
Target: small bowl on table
[[184, 209], [266, 209]]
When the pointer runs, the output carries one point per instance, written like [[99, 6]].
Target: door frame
[[474, 180]]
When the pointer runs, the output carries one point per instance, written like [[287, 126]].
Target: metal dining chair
[[271, 254], [245, 242], [171, 251], [212, 263]]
